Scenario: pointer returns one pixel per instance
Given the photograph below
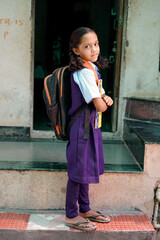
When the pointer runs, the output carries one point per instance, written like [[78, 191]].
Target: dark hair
[[76, 62]]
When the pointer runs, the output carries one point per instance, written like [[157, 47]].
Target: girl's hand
[[108, 100]]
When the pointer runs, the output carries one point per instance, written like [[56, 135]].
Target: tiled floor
[[127, 223], [12, 220], [55, 221], [41, 151], [51, 155]]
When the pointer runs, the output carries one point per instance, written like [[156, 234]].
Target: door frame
[[117, 70], [32, 66], [116, 84]]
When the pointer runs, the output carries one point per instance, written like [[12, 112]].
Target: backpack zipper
[[45, 83], [46, 88]]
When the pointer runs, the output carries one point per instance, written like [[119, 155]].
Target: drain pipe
[[155, 223]]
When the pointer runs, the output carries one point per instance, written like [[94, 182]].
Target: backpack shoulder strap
[[60, 80], [84, 105], [89, 65]]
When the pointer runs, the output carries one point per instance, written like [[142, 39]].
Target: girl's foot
[[80, 223], [95, 216]]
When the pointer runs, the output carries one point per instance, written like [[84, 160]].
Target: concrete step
[[143, 109], [138, 134], [50, 155], [29, 179], [141, 126], [46, 225]]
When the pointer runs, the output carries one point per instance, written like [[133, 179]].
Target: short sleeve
[[86, 81]]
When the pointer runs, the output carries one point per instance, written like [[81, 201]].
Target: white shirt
[[86, 81]]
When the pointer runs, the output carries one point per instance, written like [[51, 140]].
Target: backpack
[[57, 97]]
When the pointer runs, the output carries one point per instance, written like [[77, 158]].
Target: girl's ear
[[75, 50]]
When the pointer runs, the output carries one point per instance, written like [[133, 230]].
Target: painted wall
[[140, 61], [15, 62]]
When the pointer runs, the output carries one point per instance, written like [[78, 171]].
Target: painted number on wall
[[9, 22]]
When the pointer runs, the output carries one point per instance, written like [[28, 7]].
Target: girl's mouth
[[94, 55]]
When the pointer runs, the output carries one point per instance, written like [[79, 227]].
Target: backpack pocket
[[55, 121], [53, 115]]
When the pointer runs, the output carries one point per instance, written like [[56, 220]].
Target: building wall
[[139, 68], [140, 61], [140, 76], [15, 63]]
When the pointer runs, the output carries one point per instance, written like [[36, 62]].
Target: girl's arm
[[101, 104]]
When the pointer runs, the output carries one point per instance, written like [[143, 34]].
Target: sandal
[[76, 225], [94, 219]]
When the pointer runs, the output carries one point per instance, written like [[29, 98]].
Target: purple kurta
[[84, 156]]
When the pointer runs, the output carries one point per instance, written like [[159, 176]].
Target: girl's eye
[[96, 44], [87, 46]]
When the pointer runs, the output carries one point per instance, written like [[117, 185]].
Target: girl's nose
[[93, 48]]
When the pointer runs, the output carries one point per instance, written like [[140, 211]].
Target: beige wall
[[140, 61], [140, 76], [15, 63]]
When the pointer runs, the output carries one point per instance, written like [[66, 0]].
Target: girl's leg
[[72, 217], [84, 207], [72, 198], [83, 199]]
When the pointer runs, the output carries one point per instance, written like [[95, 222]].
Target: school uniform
[[84, 156]]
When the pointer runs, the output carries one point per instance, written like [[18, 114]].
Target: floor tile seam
[[118, 215]]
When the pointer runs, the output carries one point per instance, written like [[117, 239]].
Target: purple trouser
[[76, 192]]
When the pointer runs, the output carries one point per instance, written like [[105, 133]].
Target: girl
[[84, 156]]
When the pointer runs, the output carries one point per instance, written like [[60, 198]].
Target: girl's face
[[88, 49]]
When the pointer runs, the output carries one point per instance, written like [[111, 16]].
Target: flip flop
[[76, 225], [94, 219]]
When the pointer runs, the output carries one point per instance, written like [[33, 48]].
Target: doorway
[[54, 23]]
